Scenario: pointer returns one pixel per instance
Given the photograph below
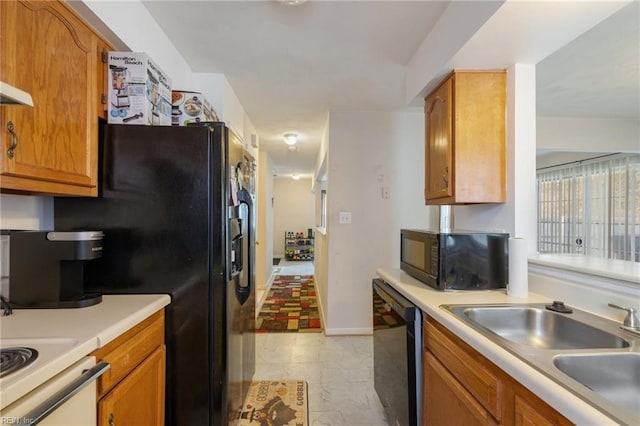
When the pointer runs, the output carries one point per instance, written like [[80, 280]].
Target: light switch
[[345, 217]]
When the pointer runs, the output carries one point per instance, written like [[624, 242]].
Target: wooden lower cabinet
[[448, 402], [132, 392], [462, 387], [139, 398], [529, 410]]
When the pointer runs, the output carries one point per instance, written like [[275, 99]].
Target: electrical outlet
[[345, 217], [386, 192]]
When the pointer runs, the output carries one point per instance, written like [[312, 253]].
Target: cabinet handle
[[445, 176], [112, 421], [14, 140]]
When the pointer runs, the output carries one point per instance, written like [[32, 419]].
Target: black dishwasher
[[397, 348]]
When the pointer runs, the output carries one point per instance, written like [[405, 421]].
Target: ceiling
[[597, 74], [290, 65]]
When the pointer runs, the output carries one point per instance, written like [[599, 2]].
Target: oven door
[[68, 399]]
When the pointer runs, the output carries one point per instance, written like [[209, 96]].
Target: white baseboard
[[321, 309], [365, 331], [265, 292], [270, 280]]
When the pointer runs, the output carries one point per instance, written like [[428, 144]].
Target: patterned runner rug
[[290, 306], [274, 403]]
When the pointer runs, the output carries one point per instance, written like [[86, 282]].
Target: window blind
[[591, 207]]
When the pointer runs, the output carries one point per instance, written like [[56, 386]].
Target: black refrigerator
[[176, 208]]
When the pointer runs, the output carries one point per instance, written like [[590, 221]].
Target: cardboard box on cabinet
[[139, 91], [190, 107]]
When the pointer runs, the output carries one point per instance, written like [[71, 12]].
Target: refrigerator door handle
[[245, 199], [237, 257], [235, 231]]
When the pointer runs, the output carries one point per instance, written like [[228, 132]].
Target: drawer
[[467, 366], [129, 350]]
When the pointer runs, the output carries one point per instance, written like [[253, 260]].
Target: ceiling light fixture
[[290, 138], [295, 177]]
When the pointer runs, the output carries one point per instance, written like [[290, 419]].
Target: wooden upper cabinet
[[46, 50], [439, 148], [103, 78], [465, 139]]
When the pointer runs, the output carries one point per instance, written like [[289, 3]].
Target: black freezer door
[[162, 207]]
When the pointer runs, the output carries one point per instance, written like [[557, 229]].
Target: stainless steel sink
[[615, 377], [540, 328], [588, 355]]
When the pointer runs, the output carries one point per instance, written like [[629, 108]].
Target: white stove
[[56, 377]]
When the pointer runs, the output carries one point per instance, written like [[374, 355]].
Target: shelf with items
[[298, 246]]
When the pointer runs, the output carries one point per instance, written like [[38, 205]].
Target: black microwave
[[457, 260]]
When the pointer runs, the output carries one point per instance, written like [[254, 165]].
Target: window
[[591, 207]]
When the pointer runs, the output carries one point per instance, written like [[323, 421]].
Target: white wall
[[321, 258], [264, 249], [588, 134], [293, 209], [133, 24], [224, 101], [22, 212], [366, 152]]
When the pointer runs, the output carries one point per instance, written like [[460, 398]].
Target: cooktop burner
[[13, 359]]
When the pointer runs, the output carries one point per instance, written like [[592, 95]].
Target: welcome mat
[[290, 306], [275, 403]]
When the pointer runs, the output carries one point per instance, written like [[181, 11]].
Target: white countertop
[[611, 268], [429, 301], [64, 336]]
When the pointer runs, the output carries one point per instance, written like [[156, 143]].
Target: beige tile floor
[[338, 369]]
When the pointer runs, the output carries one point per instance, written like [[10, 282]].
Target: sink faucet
[[631, 320], [6, 308]]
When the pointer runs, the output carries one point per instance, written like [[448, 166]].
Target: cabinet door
[[102, 78], [139, 398], [529, 410], [439, 144], [47, 51], [445, 401]]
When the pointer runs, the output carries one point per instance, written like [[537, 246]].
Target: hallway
[[338, 369]]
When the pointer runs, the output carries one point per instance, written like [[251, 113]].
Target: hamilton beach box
[[139, 91]]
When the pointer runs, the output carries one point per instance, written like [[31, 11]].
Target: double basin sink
[[590, 355]]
